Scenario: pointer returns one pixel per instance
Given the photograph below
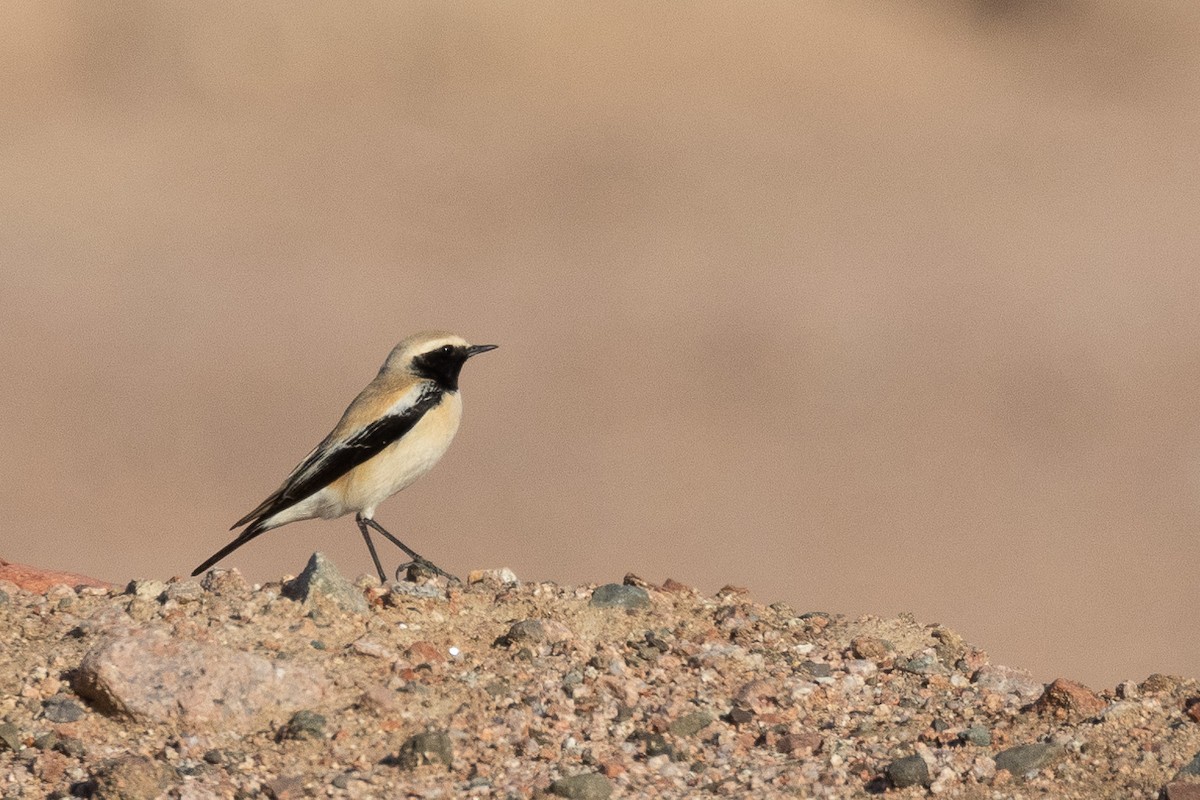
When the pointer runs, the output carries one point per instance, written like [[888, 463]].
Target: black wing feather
[[323, 467]]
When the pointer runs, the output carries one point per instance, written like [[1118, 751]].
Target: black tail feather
[[252, 532]]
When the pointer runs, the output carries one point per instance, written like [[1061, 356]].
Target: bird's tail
[[252, 532]]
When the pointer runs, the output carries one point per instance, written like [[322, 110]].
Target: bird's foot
[[420, 568]]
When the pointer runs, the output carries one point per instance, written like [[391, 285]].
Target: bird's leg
[[414, 555], [362, 527]]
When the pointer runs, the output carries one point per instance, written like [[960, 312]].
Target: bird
[[390, 435]]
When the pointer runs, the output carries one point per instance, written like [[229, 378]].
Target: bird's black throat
[[442, 366]]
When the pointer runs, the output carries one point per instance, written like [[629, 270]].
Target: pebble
[[1069, 697], [304, 724], [428, 747], [619, 595], [586, 786], [320, 582], [62, 709], [132, 777], [146, 590], [498, 577], [9, 737], [538, 630], [690, 724], [908, 771], [1026, 758], [1007, 680], [977, 735]]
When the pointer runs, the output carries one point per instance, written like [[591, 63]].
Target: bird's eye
[[447, 349]]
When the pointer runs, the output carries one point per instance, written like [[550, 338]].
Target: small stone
[[799, 743], [675, 587], [950, 646], [619, 595], [922, 664], [1026, 758], [285, 787], [131, 778], [690, 724], [908, 771], [3, 598], [62, 709], [977, 735], [499, 577], [146, 590], [1161, 684], [70, 746], [46, 741], [1182, 790], [868, 647], [1069, 697], [9, 737], [320, 582], [1007, 680], [538, 630], [304, 724], [1190, 768], [814, 669], [187, 591], [366, 646], [214, 757], [587, 786], [429, 747], [225, 582]]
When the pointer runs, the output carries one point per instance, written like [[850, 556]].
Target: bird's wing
[[337, 455]]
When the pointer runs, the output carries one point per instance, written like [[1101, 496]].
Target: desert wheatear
[[393, 433]]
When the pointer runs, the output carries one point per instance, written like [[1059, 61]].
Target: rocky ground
[[315, 687]]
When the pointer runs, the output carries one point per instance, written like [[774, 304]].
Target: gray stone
[[304, 724], [538, 630], [320, 581], [690, 724], [62, 709], [1190, 768], [3, 597], [1026, 758], [619, 595], [148, 674], [10, 738], [977, 735], [587, 786], [429, 747], [922, 664], [908, 771]]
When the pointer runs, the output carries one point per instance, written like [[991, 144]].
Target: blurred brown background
[[866, 306]]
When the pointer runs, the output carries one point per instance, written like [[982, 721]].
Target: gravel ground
[[315, 687]]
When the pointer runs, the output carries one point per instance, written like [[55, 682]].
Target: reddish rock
[[1069, 697], [675, 587], [35, 580], [424, 652], [1183, 790], [147, 674]]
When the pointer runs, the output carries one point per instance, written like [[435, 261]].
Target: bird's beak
[[476, 349]]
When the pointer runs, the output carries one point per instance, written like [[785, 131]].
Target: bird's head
[[435, 355]]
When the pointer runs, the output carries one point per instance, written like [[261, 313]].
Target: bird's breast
[[406, 459]]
